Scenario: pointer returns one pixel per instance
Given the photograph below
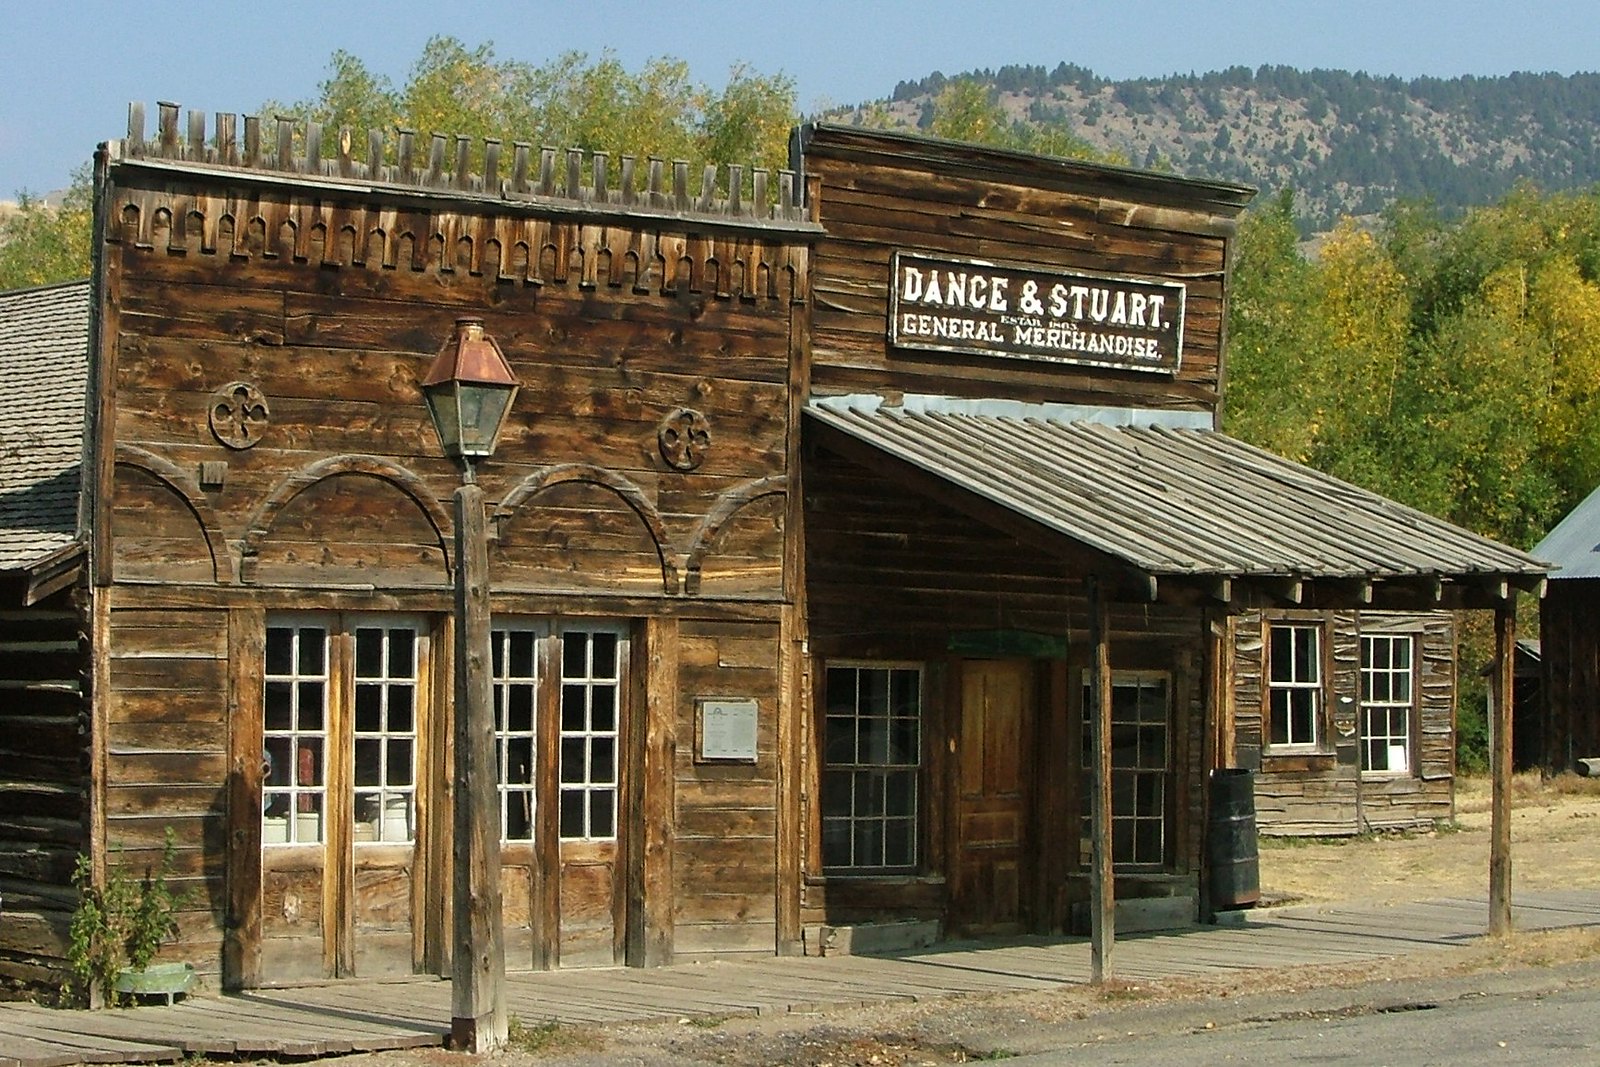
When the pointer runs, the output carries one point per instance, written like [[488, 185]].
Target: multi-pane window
[[1386, 699], [516, 688], [591, 691], [1294, 685], [385, 733], [1140, 740], [294, 735], [872, 752]]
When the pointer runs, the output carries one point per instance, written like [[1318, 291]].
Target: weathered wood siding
[[1324, 792], [1569, 639], [725, 836], [892, 575], [44, 786], [329, 304], [874, 201]]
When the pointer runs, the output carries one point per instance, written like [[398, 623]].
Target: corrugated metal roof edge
[[1508, 562]]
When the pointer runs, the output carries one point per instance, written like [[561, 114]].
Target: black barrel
[[1231, 852]]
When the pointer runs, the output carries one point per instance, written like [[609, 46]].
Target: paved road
[[1529, 1018]]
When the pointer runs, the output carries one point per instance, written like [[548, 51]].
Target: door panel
[[991, 800]]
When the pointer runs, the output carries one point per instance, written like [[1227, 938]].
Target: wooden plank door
[[991, 796]]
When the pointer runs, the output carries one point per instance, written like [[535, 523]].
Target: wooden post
[[478, 965], [1102, 881], [1505, 649]]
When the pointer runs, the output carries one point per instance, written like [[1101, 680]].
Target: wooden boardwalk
[[355, 1016]]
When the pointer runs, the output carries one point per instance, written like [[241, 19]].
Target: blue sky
[[71, 66]]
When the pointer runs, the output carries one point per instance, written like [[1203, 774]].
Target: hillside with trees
[[1346, 143]]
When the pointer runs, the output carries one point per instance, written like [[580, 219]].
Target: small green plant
[[121, 925], [548, 1036]]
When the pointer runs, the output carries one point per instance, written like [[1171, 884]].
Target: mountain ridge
[[1346, 143]]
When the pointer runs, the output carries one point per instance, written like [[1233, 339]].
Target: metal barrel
[[1231, 854]]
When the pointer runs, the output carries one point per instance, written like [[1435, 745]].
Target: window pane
[[313, 645], [401, 653], [369, 653], [572, 807], [602, 708], [601, 808], [604, 658], [280, 650], [574, 655], [278, 706], [369, 759], [574, 761], [574, 712]]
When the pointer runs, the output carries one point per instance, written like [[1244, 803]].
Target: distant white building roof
[[1573, 547]]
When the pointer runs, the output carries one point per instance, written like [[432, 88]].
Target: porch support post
[[1102, 883], [1505, 650], [478, 963]]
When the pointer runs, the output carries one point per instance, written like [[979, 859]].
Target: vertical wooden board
[[547, 836], [241, 961]]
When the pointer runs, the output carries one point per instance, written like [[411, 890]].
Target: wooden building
[[1569, 641], [830, 502], [1347, 718]]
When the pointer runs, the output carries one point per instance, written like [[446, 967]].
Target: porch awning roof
[[1167, 497]]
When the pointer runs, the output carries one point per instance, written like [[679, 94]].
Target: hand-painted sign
[[966, 305]]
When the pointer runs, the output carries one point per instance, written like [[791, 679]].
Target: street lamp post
[[469, 389]]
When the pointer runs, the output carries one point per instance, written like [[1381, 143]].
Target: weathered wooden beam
[[1505, 640], [478, 1021], [1102, 881]]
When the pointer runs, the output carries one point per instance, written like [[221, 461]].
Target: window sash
[[515, 673], [384, 732], [590, 732], [872, 765], [1294, 686], [294, 735], [1388, 694], [1141, 758]]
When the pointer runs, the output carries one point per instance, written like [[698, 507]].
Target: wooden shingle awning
[[1162, 507]]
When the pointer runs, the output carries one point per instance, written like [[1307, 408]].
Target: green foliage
[[572, 101], [969, 110], [40, 244], [122, 923]]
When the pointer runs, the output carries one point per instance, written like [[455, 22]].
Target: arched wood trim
[[224, 567], [260, 524], [727, 506], [563, 473]]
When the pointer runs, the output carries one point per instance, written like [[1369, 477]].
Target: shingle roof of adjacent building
[[1170, 499], [1574, 545], [44, 353]]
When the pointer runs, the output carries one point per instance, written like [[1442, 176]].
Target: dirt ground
[[1555, 844]]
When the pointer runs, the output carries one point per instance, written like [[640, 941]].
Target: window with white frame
[[294, 735], [1140, 758], [1387, 689], [516, 689], [385, 733], [591, 705], [375, 707], [1294, 686], [872, 756]]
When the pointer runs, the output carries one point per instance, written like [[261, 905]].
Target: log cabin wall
[[881, 193], [897, 577], [266, 472], [44, 780], [1569, 620], [1343, 780], [893, 577]]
